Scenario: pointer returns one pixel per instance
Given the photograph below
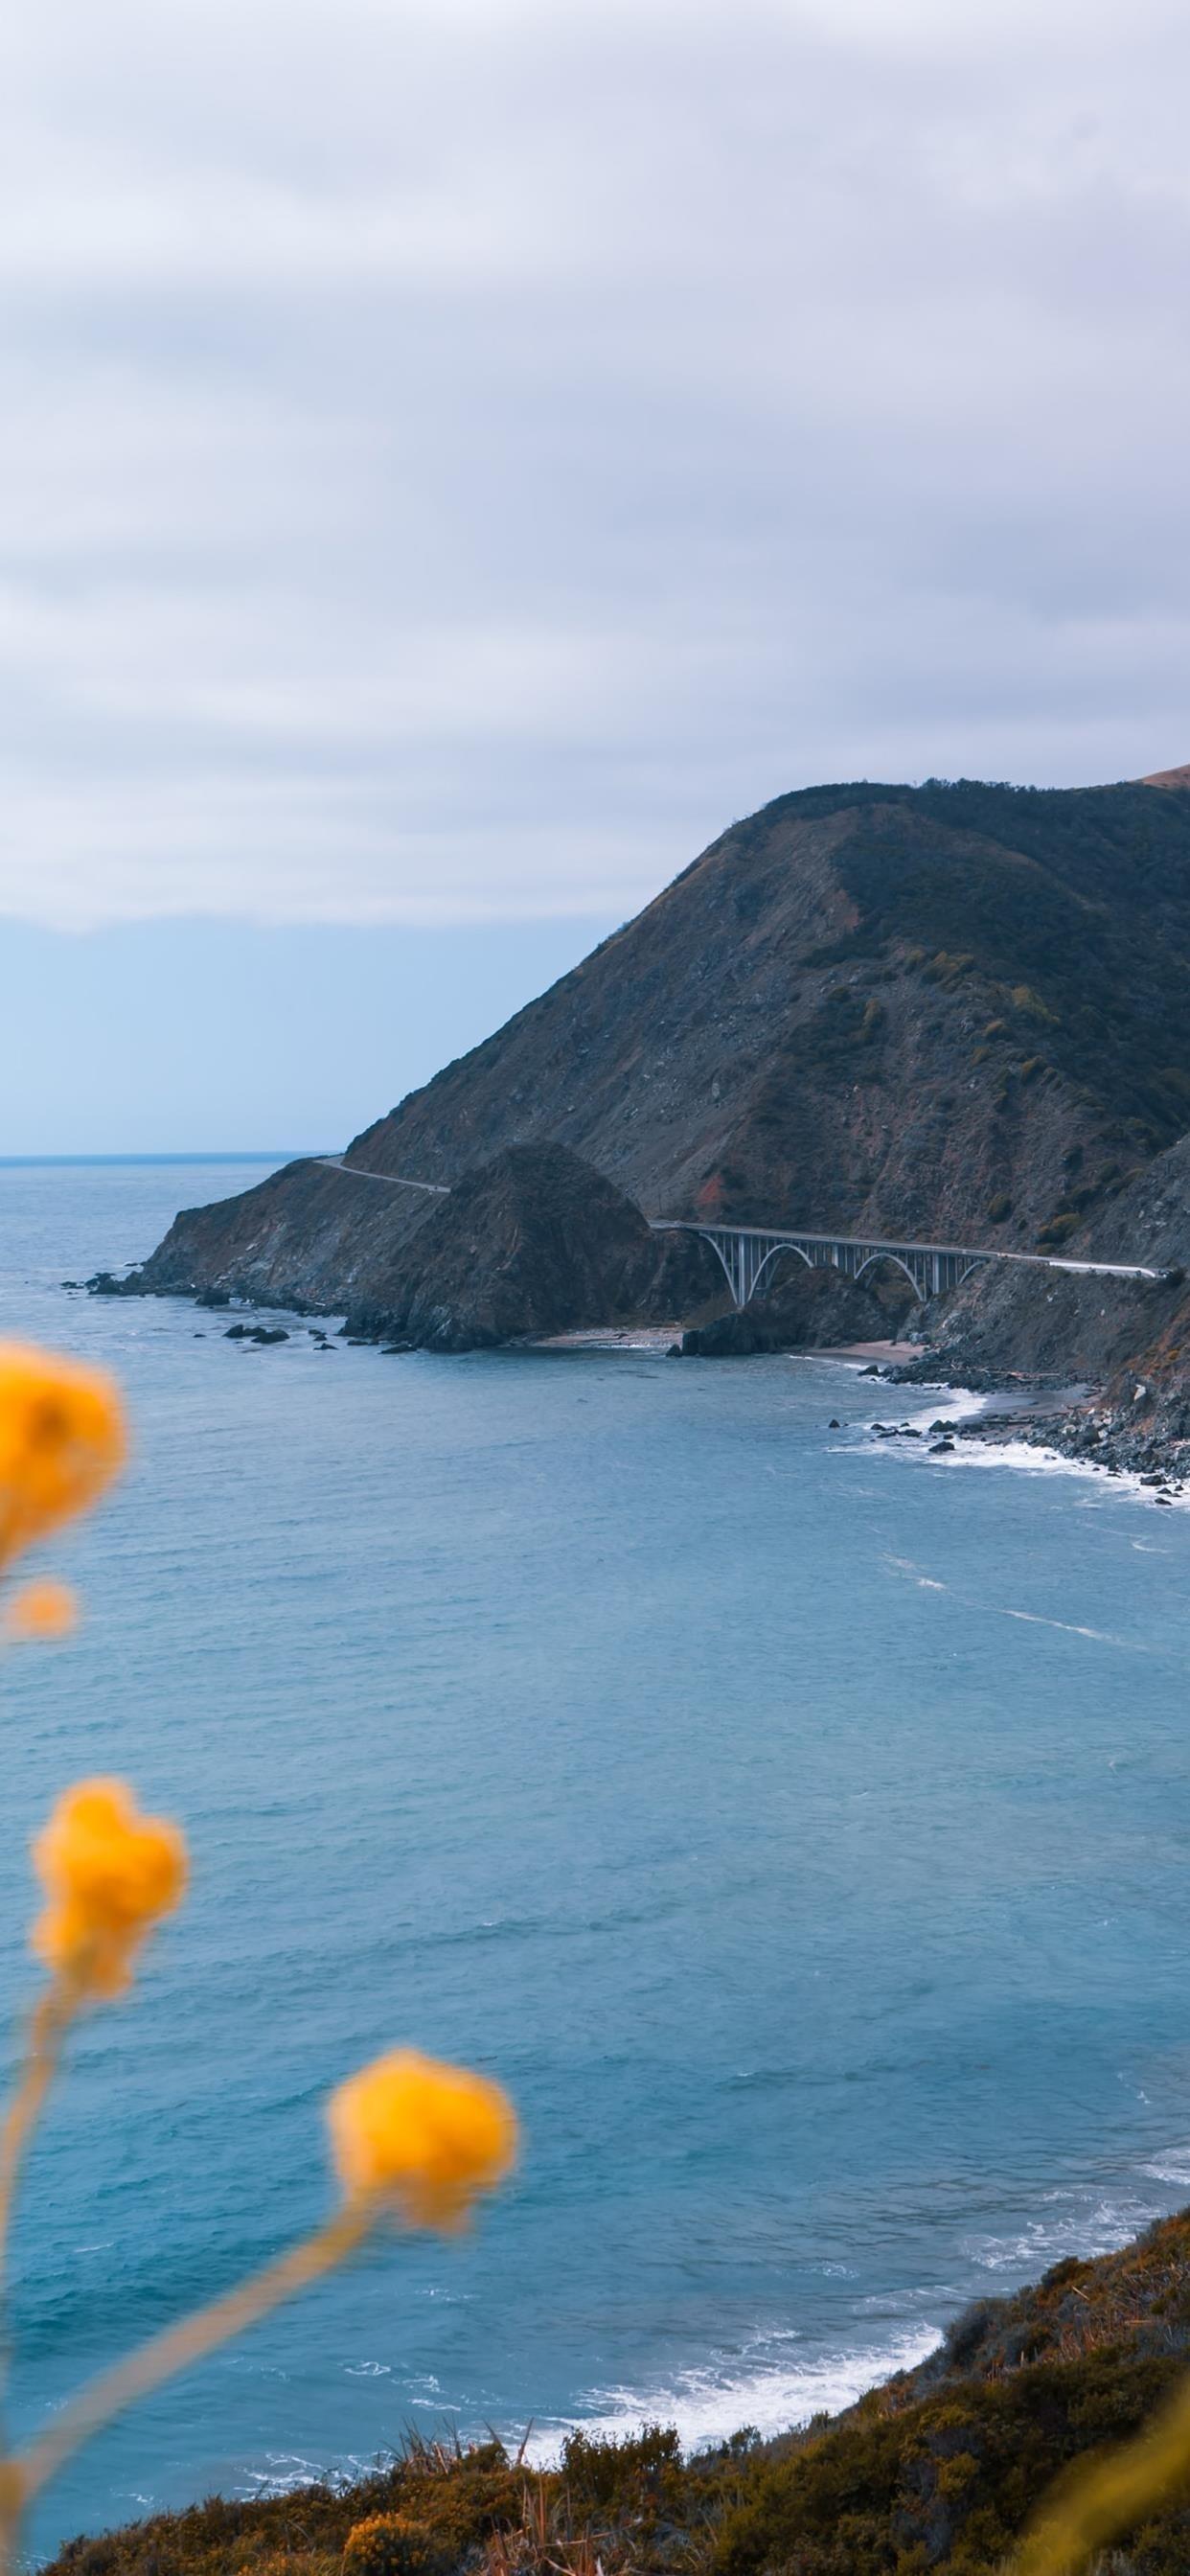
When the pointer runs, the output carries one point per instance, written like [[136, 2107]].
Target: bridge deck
[[871, 1244]]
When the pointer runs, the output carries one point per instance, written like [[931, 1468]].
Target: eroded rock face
[[1011, 1319], [309, 1237], [535, 1242]]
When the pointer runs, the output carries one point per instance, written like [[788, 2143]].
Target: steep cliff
[[308, 1237]]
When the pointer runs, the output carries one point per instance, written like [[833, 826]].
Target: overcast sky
[[457, 454]]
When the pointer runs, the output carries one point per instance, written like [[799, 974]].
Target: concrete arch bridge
[[748, 1251]]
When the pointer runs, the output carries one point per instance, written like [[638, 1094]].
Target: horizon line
[[212, 1154]]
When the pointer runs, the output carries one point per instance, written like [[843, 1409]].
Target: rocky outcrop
[[1038, 1323], [1127, 1339], [805, 1310], [307, 1238], [534, 1242]]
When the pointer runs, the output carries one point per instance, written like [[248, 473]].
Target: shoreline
[[1031, 2379], [1019, 1422], [1036, 1432], [659, 1338]]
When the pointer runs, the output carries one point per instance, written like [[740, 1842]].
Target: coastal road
[[393, 1180], [663, 1225]]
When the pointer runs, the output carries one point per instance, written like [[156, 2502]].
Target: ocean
[[800, 1827]]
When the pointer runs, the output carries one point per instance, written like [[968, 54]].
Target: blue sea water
[[799, 1826]]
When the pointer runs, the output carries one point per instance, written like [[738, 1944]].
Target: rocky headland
[[957, 1013]]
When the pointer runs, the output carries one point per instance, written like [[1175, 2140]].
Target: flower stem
[[107, 2395], [48, 2025]]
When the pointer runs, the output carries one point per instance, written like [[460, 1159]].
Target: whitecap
[[1173, 2167], [1084, 2232], [708, 2405]]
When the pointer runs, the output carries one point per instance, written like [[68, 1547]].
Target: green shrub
[[394, 2544], [642, 2471], [1029, 1005], [946, 2483]]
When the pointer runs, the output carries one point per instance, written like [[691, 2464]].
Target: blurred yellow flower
[[61, 1442], [42, 1610], [428, 2137], [110, 1873]]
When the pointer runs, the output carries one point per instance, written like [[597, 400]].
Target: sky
[[457, 455]]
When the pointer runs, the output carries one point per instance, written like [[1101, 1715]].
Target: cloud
[[453, 459]]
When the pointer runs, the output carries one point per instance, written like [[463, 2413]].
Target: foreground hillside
[[938, 2469], [955, 1012]]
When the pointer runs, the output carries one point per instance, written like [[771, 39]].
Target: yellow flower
[[110, 1874], [61, 1442], [428, 2137], [43, 1610]]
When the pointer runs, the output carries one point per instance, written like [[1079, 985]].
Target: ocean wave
[[285, 2472], [1020, 1454], [771, 2394], [1173, 2167], [1081, 2231]]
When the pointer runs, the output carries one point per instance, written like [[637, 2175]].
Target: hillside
[[865, 1006], [938, 2469], [956, 1011]]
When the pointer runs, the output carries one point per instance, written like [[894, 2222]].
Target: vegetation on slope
[[939, 2469]]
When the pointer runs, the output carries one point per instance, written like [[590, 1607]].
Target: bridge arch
[[745, 1253], [894, 1259], [776, 1252], [705, 1236]]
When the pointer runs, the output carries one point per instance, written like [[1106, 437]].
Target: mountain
[[958, 1012]]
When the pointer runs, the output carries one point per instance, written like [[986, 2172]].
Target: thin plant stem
[[165, 2354], [48, 2024]]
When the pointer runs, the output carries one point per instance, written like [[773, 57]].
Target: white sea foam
[[1081, 2231], [1003, 1610], [773, 2391], [962, 1404], [1174, 2167], [1051, 1462]]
